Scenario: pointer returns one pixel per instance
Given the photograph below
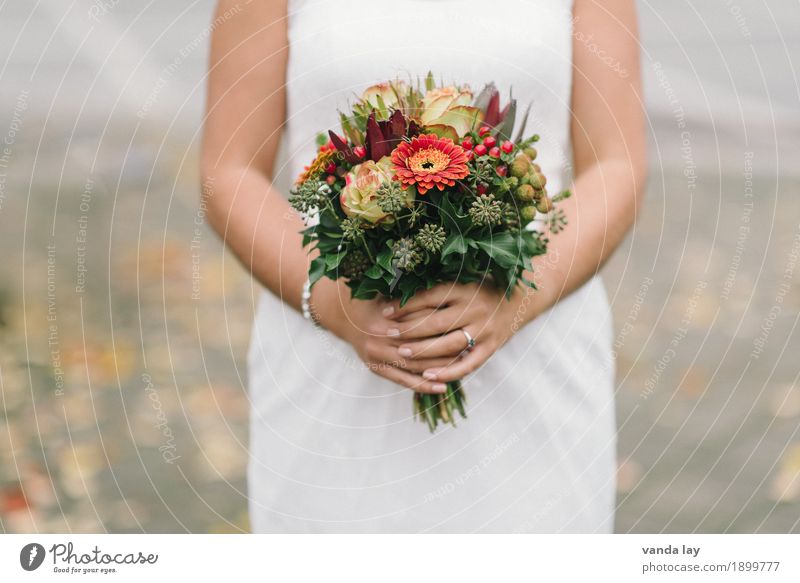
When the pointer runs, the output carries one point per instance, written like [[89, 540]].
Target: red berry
[[502, 171], [467, 144], [331, 168], [360, 151], [484, 130], [331, 180], [469, 154], [494, 152], [507, 147], [480, 150], [331, 147], [483, 188], [489, 141]]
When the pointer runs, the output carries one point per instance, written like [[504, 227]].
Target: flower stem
[[434, 409]]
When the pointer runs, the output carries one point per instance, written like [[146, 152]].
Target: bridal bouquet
[[426, 185]]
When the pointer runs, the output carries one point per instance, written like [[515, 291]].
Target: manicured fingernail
[[430, 375], [439, 387], [388, 310], [404, 351], [393, 332]]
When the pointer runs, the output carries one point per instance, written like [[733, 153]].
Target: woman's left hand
[[433, 322]]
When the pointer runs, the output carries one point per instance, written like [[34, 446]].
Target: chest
[[519, 44]]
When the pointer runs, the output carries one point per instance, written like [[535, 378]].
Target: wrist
[[526, 303], [326, 305]]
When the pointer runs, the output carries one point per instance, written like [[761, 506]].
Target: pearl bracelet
[[305, 303]]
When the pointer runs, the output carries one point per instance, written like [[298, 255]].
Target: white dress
[[334, 448]]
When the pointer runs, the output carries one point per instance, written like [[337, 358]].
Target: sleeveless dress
[[335, 448]]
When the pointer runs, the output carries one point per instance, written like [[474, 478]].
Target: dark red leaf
[[377, 147], [397, 127], [342, 146], [492, 117]]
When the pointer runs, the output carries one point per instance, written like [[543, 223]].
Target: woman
[[334, 445]]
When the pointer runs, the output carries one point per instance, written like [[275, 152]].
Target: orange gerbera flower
[[429, 161]]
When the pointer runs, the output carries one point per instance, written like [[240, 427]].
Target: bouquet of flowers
[[426, 185]]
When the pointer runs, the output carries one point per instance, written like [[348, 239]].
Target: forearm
[[600, 212], [263, 231]]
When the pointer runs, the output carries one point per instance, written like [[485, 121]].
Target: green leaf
[[384, 259], [430, 82], [408, 286], [368, 288], [333, 261], [316, 270], [503, 248], [374, 272], [453, 221], [455, 243]]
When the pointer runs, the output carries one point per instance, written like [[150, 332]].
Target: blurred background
[[124, 324]]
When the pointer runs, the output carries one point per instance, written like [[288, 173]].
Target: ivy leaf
[[333, 261], [316, 270], [408, 286], [384, 259], [455, 243], [368, 288], [502, 248], [453, 222], [374, 272]]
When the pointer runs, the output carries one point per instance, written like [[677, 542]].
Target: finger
[[422, 313], [430, 298], [420, 366], [409, 380], [470, 362], [451, 344], [380, 353], [435, 324]]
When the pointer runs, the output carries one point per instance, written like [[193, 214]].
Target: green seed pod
[[527, 213], [531, 153], [526, 193], [545, 205], [537, 180], [520, 166]]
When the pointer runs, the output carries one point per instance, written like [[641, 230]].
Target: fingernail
[[404, 351], [388, 310], [439, 387], [430, 375], [393, 332]]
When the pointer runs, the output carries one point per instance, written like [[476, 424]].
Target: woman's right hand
[[362, 324]]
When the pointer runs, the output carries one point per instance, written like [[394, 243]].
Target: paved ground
[[121, 372]]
